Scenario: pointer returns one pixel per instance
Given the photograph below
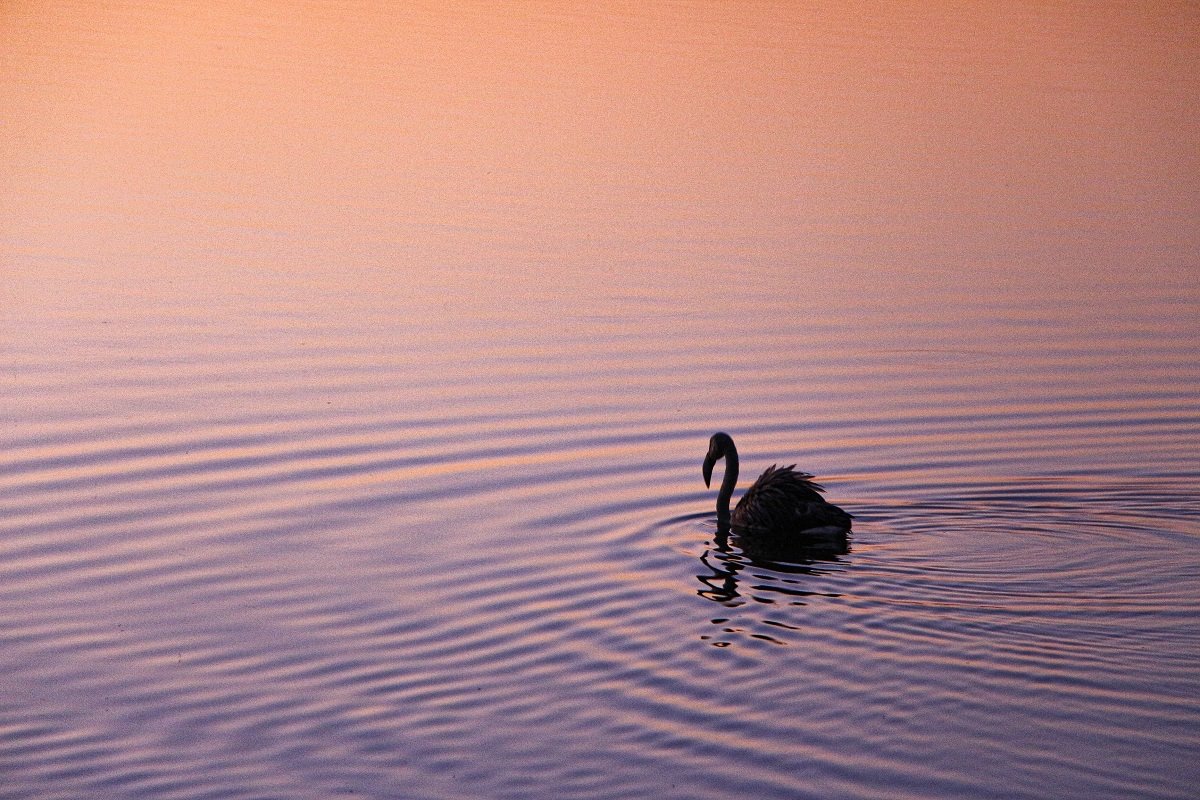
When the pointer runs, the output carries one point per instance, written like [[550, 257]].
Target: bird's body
[[783, 504]]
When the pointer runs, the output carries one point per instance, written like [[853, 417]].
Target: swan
[[782, 504]]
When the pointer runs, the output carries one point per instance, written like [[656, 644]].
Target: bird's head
[[718, 446]]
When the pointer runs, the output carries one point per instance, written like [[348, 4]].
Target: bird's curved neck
[[727, 484]]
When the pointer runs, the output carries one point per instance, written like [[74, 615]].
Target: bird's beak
[[709, 461]]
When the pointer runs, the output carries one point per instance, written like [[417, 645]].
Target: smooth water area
[[357, 364]]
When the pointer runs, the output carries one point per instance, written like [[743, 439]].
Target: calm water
[[357, 366]]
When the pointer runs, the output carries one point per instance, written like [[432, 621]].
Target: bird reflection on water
[[731, 553]]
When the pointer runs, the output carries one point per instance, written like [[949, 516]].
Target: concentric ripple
[[527, 597], [509, 603]]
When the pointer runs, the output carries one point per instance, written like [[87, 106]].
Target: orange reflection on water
[[525, 139]]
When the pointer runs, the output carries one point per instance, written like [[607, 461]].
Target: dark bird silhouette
[[782, 505]]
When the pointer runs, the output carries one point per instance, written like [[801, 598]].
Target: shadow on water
[[731, 553]]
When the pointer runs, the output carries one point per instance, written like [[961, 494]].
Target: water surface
[[357, 366]]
